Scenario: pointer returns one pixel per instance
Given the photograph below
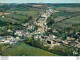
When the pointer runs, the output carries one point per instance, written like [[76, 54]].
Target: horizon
[[39, 1]]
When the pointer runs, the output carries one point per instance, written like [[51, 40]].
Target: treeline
[[60, 50], [51, 20]]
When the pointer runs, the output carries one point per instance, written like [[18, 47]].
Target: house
[[19, 32], [65, 43], [1, 13], [58, 40], [9, 30], [40, 30], [52, 37], [6, 40], [1, 39], [56, 44], [37, 36], [17, 38], [51, 43], [10, 40], [70, 39], [45, 15], [77, 41], [75, 53], [39, 24], [3, 16], [30, 27], [26, 24], [77, 45], [40, 20], [29, 35], [50, 10]]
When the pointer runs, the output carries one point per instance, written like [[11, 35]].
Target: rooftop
[[40, 20], [2, 37]]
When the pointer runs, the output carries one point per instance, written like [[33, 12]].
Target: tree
[[62, 50], [0, 49], [30, 18]]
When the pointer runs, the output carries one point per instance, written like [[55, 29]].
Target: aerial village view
[[38, 29]]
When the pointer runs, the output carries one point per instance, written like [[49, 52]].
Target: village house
[[65, 43], [40, 20], [58, 40], [39, 30], [56, 11], [75, 53], [19, 32], [77, 41], [3, 16], [1, 39], [51, 43], [2, 13], [49, 40], [26, 24], [30, 27], [39, 24], [77, 45], [10, 31], [70, 39], [52, 37], [10, 40], [45, 15], [37, 36]]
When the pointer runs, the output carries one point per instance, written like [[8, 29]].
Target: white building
[[19, 32]]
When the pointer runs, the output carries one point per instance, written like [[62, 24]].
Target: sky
[[39, 1]]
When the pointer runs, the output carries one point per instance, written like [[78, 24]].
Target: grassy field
[[22, 49], [68, 22], [20, 14], [69, 9], [65, 21]]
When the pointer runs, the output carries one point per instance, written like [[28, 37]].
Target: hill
[[22, 49]]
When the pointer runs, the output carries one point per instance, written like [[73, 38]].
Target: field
[[63, 22], [18, 14], [21, 49], [66, 20], [69, 22]]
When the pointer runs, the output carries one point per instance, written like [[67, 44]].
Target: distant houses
[[10, 31], [42, 28], [19, 32], [9, 40], [3, 13], [41, 22], [77, 45]]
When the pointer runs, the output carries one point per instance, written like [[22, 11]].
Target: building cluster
[[41, 22], [38, 34], [50, 40], [42, 28], [9, 40]]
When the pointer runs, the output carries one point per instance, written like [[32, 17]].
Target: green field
[[20, 14], [21, 49], [65, 21]]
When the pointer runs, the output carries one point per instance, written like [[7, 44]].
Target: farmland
[[21, 49], [65, 18], [39, 29]]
